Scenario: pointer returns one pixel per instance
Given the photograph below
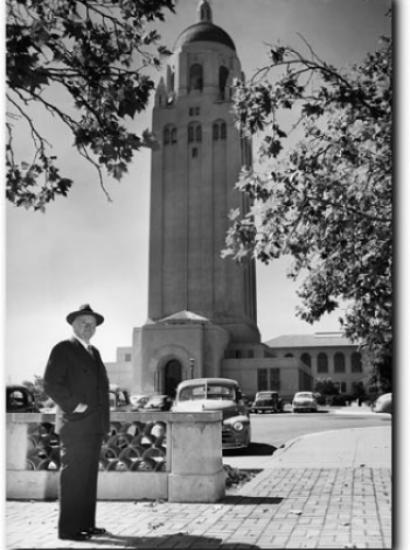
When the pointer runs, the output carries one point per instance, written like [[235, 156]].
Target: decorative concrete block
[[132, 486], [16, 445], [29, 484], [196, 487]]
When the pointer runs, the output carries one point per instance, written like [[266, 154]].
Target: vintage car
[[138, 401], [383, 404], [119, 399], [157, 403], [304, 401], [217, 394], [266, 402], [20, 399]]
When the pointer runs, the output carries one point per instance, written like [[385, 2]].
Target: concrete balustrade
[[193, 473]]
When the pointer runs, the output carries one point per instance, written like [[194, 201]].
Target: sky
[[84, 249]]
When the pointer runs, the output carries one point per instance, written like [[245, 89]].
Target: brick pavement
[[281, 507]]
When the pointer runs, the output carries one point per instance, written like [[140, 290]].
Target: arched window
[[170, 134], [306, 359], [356, 359], [322, 365], [198, 133], [196, 77], [190, 133], [339, 362], [194, 132], [219, 130], [288, 354], [167, 136], [223, 78]]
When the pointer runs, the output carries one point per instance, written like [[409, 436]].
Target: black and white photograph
[[199, 271]]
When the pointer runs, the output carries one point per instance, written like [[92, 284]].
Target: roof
[[208, 381], [317, 340], [184, 316], [204, 31]]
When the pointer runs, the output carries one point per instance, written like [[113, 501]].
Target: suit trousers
[[78, 482]]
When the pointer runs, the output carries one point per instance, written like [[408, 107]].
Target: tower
[[199, 304], [192, 185]]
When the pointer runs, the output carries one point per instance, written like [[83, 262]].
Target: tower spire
[[204, 11]]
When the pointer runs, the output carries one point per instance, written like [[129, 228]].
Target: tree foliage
[[96, 52], [326, 386], [327, 200], [37, 388]]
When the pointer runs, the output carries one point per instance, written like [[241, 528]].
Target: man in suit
[[76, 379]]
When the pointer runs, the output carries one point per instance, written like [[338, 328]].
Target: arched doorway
[[172, 376]]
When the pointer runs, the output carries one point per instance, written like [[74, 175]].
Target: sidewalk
[[326, 490]]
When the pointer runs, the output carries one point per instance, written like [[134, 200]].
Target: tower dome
[[204, 30]]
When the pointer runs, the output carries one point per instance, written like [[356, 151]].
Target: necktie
[[90, 351]]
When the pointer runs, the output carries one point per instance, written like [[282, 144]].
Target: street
[[271, 431]]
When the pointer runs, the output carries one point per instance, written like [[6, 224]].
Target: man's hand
[[80, 408]]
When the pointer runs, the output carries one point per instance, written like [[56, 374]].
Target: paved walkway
[[327, 490]]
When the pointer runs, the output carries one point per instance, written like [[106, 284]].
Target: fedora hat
[[84, 310]]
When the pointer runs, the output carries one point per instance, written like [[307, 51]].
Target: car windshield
[[265, 395], [305, 395], [17, 398], [207, 391]]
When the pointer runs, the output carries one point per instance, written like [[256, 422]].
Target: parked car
[[138, 401], [157, 403], [267, 401], [119, 399], [383, 404], [304, 401], [20, 399], [217, 394]]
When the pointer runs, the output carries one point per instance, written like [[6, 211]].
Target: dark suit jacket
[[72, 376]]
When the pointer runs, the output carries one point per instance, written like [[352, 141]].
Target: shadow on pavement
[[254, 449], [242, 499], [178, 540]]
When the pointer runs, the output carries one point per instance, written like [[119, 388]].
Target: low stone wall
[[170, 456]]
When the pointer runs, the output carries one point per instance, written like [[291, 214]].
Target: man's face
[[84, 327]]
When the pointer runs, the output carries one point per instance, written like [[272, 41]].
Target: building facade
[[286, 364], [328, 355]]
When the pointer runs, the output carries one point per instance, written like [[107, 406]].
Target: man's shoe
[[81, 535], [96, 531]]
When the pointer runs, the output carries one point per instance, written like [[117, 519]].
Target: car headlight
[[238, 426]]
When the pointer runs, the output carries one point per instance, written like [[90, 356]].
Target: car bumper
[[234, 440], [304, 407]]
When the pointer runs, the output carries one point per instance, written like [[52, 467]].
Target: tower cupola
[[204, 30], [204, 11]]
